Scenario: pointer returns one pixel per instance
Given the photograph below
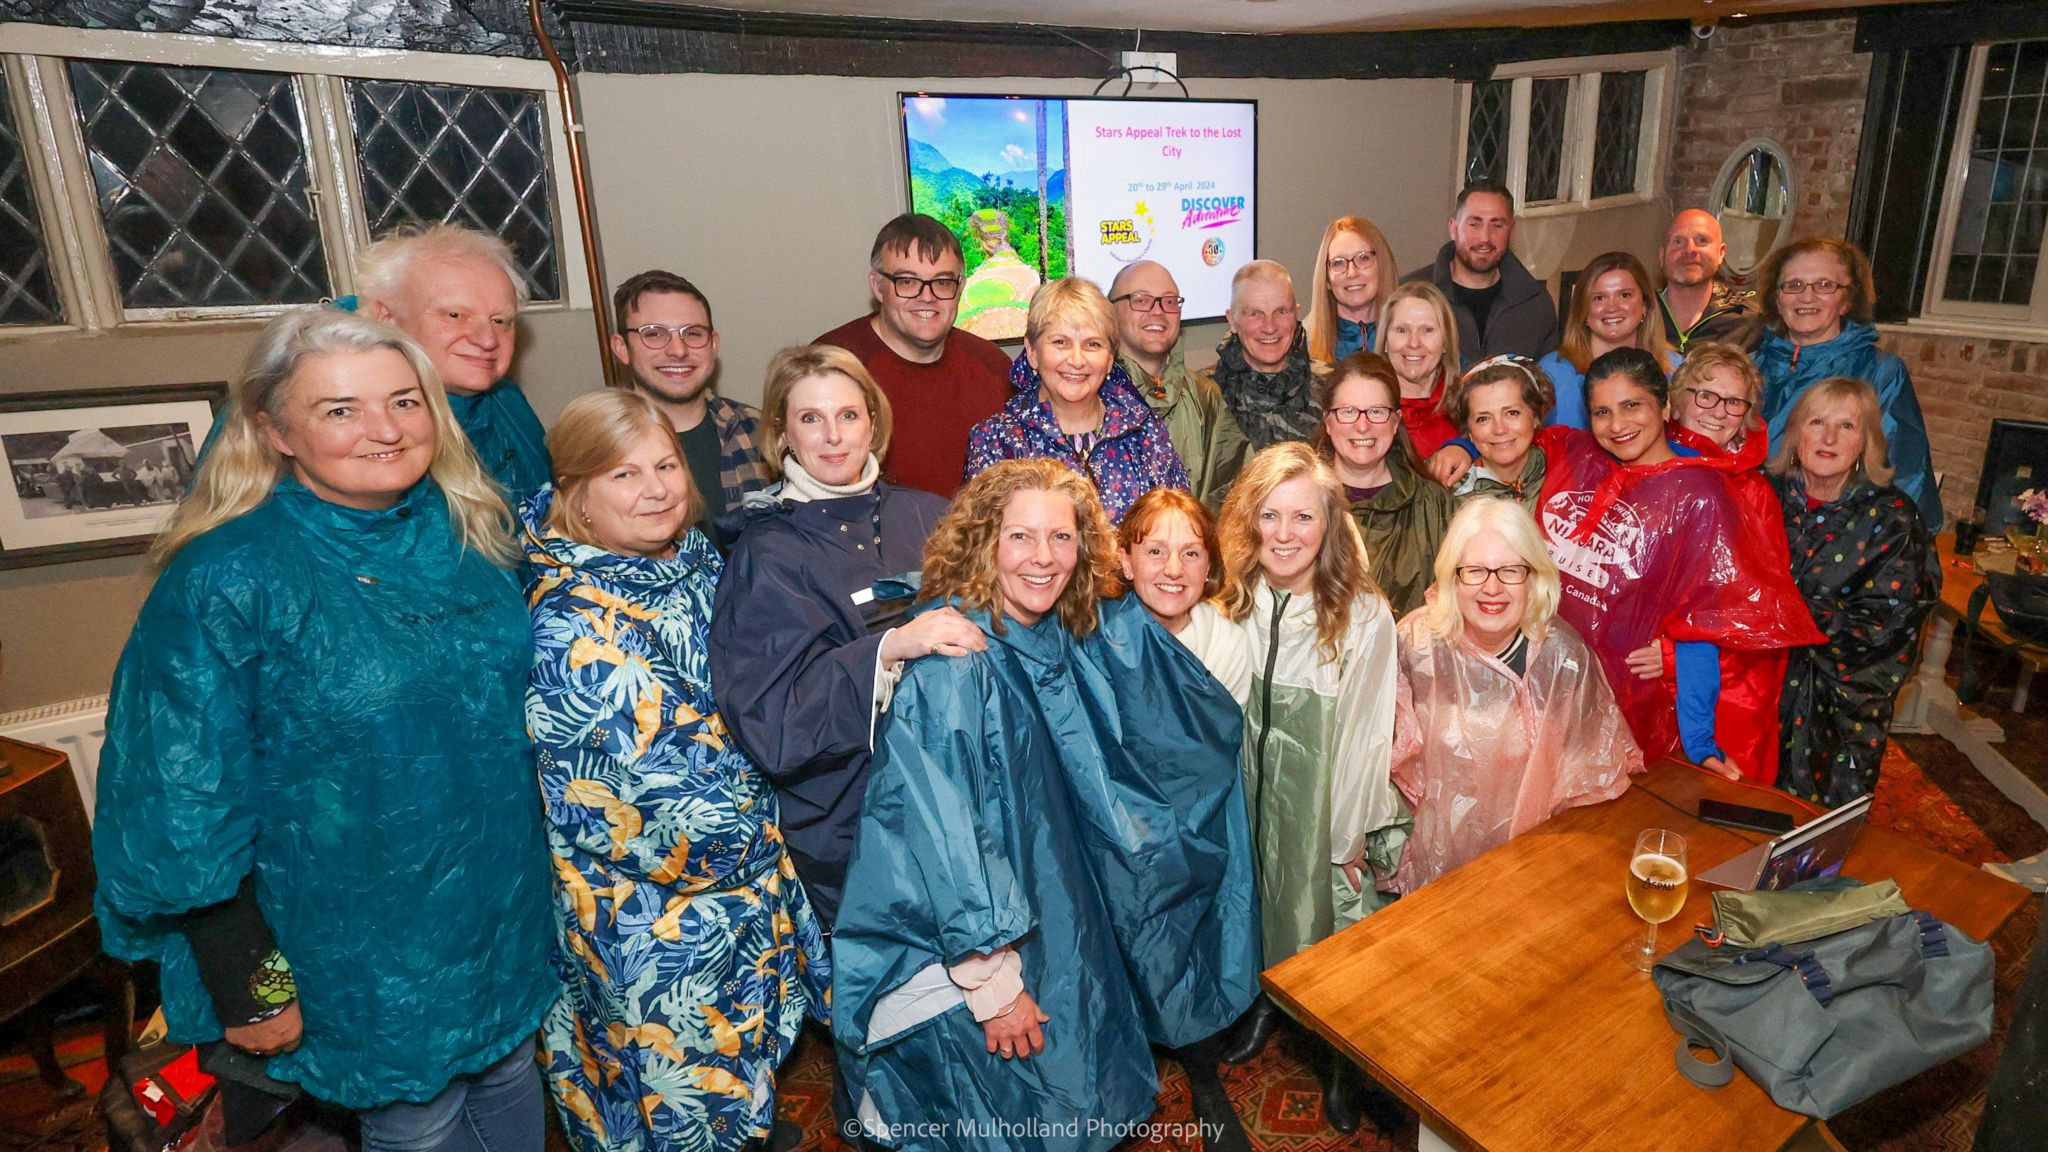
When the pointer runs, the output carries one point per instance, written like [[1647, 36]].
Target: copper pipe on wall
[[593, 259]]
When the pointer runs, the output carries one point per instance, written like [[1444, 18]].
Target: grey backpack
[[1826, 1023]]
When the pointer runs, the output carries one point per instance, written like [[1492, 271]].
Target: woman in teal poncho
[[316, 802], [1052, 870]]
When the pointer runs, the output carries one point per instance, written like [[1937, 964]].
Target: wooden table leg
[[2019, 694], [117, 997], [41, 1026]]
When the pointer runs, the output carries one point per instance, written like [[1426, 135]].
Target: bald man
[[1697, 305], [1204, 433]]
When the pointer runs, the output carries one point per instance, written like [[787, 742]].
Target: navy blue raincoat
[[332, 699], [1080, 803], [796, 634]]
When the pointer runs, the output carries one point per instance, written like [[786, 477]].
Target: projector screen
[[1037, 188]]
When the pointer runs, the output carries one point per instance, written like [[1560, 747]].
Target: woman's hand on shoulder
[[1448, 465], [1647, 662], [940, 632]]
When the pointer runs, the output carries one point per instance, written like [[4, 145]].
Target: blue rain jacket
[[507, 436], [332, 699], [1080, 803], [1790, 370]]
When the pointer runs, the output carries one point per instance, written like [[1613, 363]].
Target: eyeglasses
[[910, 287], [1147, 302], [1363, 262], [655, 337], [1473, 575], [1817, 287], [1708, 401], [1347, 414]]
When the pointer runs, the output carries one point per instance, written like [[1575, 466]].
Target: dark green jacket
[[1403, 524], [1202, 429]]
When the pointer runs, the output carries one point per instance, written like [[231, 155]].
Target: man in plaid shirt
[[666, 341]]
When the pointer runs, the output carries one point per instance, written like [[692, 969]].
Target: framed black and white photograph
[[97, 473]]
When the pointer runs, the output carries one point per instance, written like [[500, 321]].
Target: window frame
[[32, 58], [1581, 123], [2023, 321]]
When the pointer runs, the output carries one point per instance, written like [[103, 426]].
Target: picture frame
[[2015, 459], [97, 472]]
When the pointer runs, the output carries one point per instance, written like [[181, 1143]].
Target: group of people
[[1004, 717]]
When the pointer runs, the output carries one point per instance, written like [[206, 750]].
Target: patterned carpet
[[1943, 805]]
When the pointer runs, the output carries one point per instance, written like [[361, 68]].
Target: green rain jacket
[[1403, 524], [1202, 429], [332, 699]]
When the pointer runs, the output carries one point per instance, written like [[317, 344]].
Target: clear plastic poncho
[[1484, 755]]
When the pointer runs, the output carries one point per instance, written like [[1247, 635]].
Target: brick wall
[[1796, 81], [1800, 83]]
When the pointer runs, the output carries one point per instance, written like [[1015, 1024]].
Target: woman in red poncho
[[1652, 547], [1714, 399]]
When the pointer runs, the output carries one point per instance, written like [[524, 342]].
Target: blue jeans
[[500, 1109]]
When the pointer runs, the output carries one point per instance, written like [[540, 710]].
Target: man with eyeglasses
[[940, 381], [1697, 306], [1206, 436], [667, 343], [1262, 368], [1499, 305]]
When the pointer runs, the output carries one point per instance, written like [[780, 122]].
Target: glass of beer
[[1656, 888]]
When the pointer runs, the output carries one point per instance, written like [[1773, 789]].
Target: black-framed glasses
[[655, 337], [1708, 401], [910, 287], [1817, 287], [1147, 302], [1348, 414], [1473, 575], [1342, 264]]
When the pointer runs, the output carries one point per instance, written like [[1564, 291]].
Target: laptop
[[1816, 848]]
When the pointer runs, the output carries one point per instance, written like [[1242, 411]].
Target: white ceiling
[[1282, 15]]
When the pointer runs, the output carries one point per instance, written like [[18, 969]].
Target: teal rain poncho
[[1079, 803], [332, 699]]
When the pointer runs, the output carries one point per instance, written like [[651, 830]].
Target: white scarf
[[803, 487]]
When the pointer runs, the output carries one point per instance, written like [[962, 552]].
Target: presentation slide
[[1035, 188], [1165, 180]]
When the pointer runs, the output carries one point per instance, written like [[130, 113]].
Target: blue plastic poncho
[[1026, 798], [331, 698]]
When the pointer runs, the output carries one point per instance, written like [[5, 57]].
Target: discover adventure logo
[[1210, 211]]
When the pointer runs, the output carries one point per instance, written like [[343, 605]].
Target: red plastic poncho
[[1428, 428], [1484, 755], [1658, 552], [1746, 716]]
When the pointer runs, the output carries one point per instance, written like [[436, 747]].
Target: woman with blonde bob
[[684, 936], [320, 700], [1026, 807], [1074, 403], [1355, 270], [801, 644], [1614, 305], [1865, 562], [1327, 822], [1505, 717]]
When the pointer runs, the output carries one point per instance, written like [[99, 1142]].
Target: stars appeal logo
[[1129, 239]]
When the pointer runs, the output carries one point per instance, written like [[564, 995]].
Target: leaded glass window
[[203, 184], [28, 292], [1549, 106], [476, 156], [1617, 131], [1486, 131], [1999, 220]]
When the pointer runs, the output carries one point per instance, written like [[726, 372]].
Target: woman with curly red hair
[[1042, 845]]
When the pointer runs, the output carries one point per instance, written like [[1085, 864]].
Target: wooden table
[[1496, 1002]]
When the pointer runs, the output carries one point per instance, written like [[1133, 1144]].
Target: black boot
[[1253, 1032], [1380, 1106], [1221, 1130], [1340, 1095]]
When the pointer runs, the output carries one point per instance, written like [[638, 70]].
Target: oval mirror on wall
[[1753, 199]]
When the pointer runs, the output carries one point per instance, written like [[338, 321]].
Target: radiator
[[76, 728]]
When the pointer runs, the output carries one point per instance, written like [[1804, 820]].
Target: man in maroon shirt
[[940, 381]]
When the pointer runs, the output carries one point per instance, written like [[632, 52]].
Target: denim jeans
[[500, 1109]]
